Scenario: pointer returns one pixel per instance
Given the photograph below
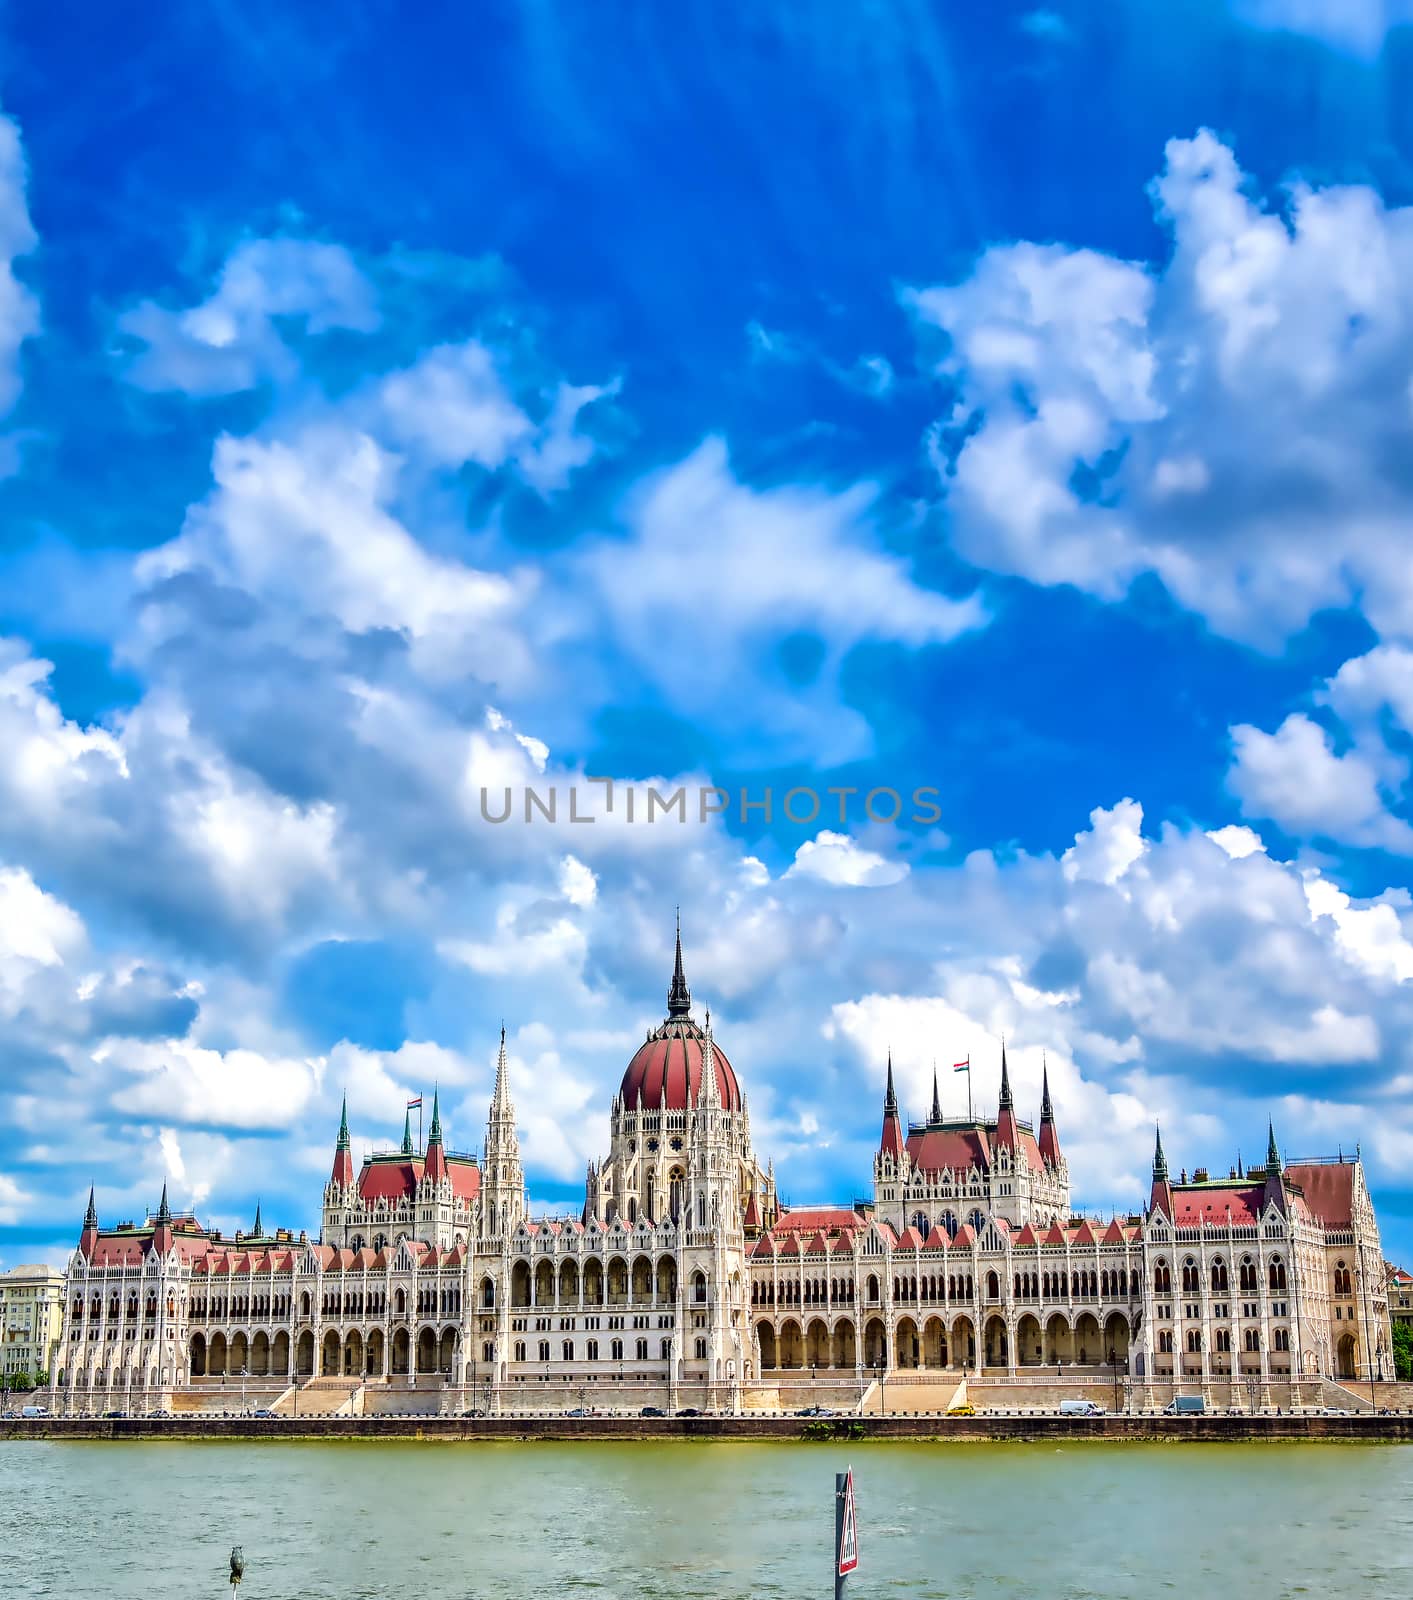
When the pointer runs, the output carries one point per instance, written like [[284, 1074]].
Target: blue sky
[[1012, 400]]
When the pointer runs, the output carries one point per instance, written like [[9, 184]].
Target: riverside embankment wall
[[1207, 1429]]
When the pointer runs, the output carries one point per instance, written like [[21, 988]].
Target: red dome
[[666, 1073]]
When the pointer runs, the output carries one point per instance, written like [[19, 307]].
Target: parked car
[[652, 1411], [1080, 1408], [578, 1411], [816, 1411], [264, 1411], [962, 1411], [1185, 1405], [689, 1411], [110, 1415]]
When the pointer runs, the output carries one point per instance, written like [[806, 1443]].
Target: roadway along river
[[443, 1521]]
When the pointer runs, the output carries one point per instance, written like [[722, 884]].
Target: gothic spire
[[164, 1211], [90, 1217], [1273, 1159], [1007, 1103], [257, 1232], [343, 1143], [890, 1100], [407, 1132], [434, 1133], [679, 998], [1047, 1111], [1160, 1161], [500, 1099], [936, 1097]]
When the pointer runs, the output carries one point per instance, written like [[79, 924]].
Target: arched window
[[1277, 1275], [1190, 1281], [1162, 1278], [699, 1287], [920, 1222], [1219, 1276], [488, 1293], [1343, 1283], [1248, 1275], [993, 1286], [949, 1224]]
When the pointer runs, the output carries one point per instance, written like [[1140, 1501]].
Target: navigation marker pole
[[846, 1531]]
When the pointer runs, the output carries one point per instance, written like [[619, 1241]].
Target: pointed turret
[[1006, 1133], [89, 1237], [435, 1169], [1160, 1197], [1049, 1140], [162, 1233], [679, 998], [257, 1232], [891, 1142], [407, 1149], [343, 1151], [936, 1116], [502, 1176], [1274, 1193], [709, 1095]]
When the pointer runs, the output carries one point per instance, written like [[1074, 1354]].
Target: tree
[[1403, 1351]]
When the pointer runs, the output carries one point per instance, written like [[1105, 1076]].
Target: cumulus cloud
[[1294, 777], [1234, 421], [836, 858], [233, 339]]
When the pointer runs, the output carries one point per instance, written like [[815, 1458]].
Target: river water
[[444, 1520]]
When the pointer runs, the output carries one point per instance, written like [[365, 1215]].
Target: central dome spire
[[679, 997]]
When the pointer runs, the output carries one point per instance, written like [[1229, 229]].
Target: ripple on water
[[637, 1521]]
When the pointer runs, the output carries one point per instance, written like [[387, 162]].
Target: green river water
[[443, 1520]]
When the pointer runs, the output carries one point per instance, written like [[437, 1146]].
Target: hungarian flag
[[962, 1066], [416, 1102]]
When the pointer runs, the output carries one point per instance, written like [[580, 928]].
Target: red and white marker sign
[[848, 1530]]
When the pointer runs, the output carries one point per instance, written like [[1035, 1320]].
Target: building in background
[[684, 1281], [31, 1323]]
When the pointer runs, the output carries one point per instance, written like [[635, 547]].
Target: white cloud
[[1237, 841], [233, 340], [19, 310], [1232, 421], [577, 882], [1110, 848], [177, 1080], [13, 1200], [1295, 778], [838, 859], [739, 569], [1371, 935], [1356, 26]]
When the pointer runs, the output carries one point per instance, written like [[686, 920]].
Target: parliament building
[[684, 1281]]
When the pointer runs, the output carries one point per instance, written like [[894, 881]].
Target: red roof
[[666, 1072], [1329, 1190], [1026, 1238], [955, 1149], [812, 1219], [1056, 1234], [1113, 1234], [1216, 1204], [389, 1177]]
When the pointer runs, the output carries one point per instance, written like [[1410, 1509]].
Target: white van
[[1080, 1408], [34, 1411]]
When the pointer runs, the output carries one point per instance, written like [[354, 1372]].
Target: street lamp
[[473, 1380], [244, 1374], [882, 1380]]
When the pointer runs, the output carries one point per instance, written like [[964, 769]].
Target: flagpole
[[971, 1115], [421, 1097]]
